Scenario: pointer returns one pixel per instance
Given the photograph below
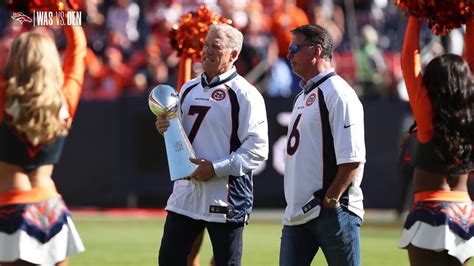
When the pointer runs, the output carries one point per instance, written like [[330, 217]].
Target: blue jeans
[[336, 231]]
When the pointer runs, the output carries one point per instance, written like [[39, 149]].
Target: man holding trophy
[[225, 120]]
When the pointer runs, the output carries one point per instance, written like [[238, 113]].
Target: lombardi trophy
[[164, 99]]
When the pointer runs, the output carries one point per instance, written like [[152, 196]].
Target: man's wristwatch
[[332, 202]]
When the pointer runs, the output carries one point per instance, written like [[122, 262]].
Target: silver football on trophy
[[163, 99]]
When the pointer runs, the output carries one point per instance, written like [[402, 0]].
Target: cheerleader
[[440, 225], [38, 100]]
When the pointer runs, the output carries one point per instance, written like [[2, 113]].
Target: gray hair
[[234, 36]]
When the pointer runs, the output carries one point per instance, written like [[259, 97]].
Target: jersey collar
[[218, 80], [317, 80]]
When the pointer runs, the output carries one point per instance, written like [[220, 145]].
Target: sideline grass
[[135, 242]]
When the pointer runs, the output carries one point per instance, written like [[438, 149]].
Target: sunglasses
[[294, 48]]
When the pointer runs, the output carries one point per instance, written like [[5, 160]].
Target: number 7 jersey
[[326, 129], [226, 123]]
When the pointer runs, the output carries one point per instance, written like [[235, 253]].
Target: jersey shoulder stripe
[[296, 98], [235, 109], [186, 91]]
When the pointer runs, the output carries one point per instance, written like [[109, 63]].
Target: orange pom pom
[[188, 37], [441, 15]]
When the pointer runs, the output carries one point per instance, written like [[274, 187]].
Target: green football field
[[135, 242]]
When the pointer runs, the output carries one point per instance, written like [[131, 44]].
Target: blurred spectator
[[371, 72], [92, 75], [265, 23], [162, 64], [432, 47], [370, 12], [253, 60], [286, 17], [118, 40], [122, 19], [156, 68], [281, 79], [235, 10], [330, 16], [96, 37], [115, 75], [94, 16], [162, 14]]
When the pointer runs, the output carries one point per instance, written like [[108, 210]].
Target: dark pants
[[181, 231]]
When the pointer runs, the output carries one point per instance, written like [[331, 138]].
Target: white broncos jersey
[[226, 123], [326, 129]]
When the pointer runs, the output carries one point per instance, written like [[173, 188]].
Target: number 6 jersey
[[326, 129], [226, 123]]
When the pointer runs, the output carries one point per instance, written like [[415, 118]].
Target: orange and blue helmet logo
[[311, 99], [218, 95]]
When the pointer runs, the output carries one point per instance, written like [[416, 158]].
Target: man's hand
[[162, 123], [346, 173], [204, 171], [331, 203]]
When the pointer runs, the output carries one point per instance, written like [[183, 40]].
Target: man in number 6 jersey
[[325, 158], [225, 119]]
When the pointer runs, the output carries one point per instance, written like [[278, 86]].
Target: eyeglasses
[[294, 48]]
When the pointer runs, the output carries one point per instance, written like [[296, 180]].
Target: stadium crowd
[[129, 50]]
